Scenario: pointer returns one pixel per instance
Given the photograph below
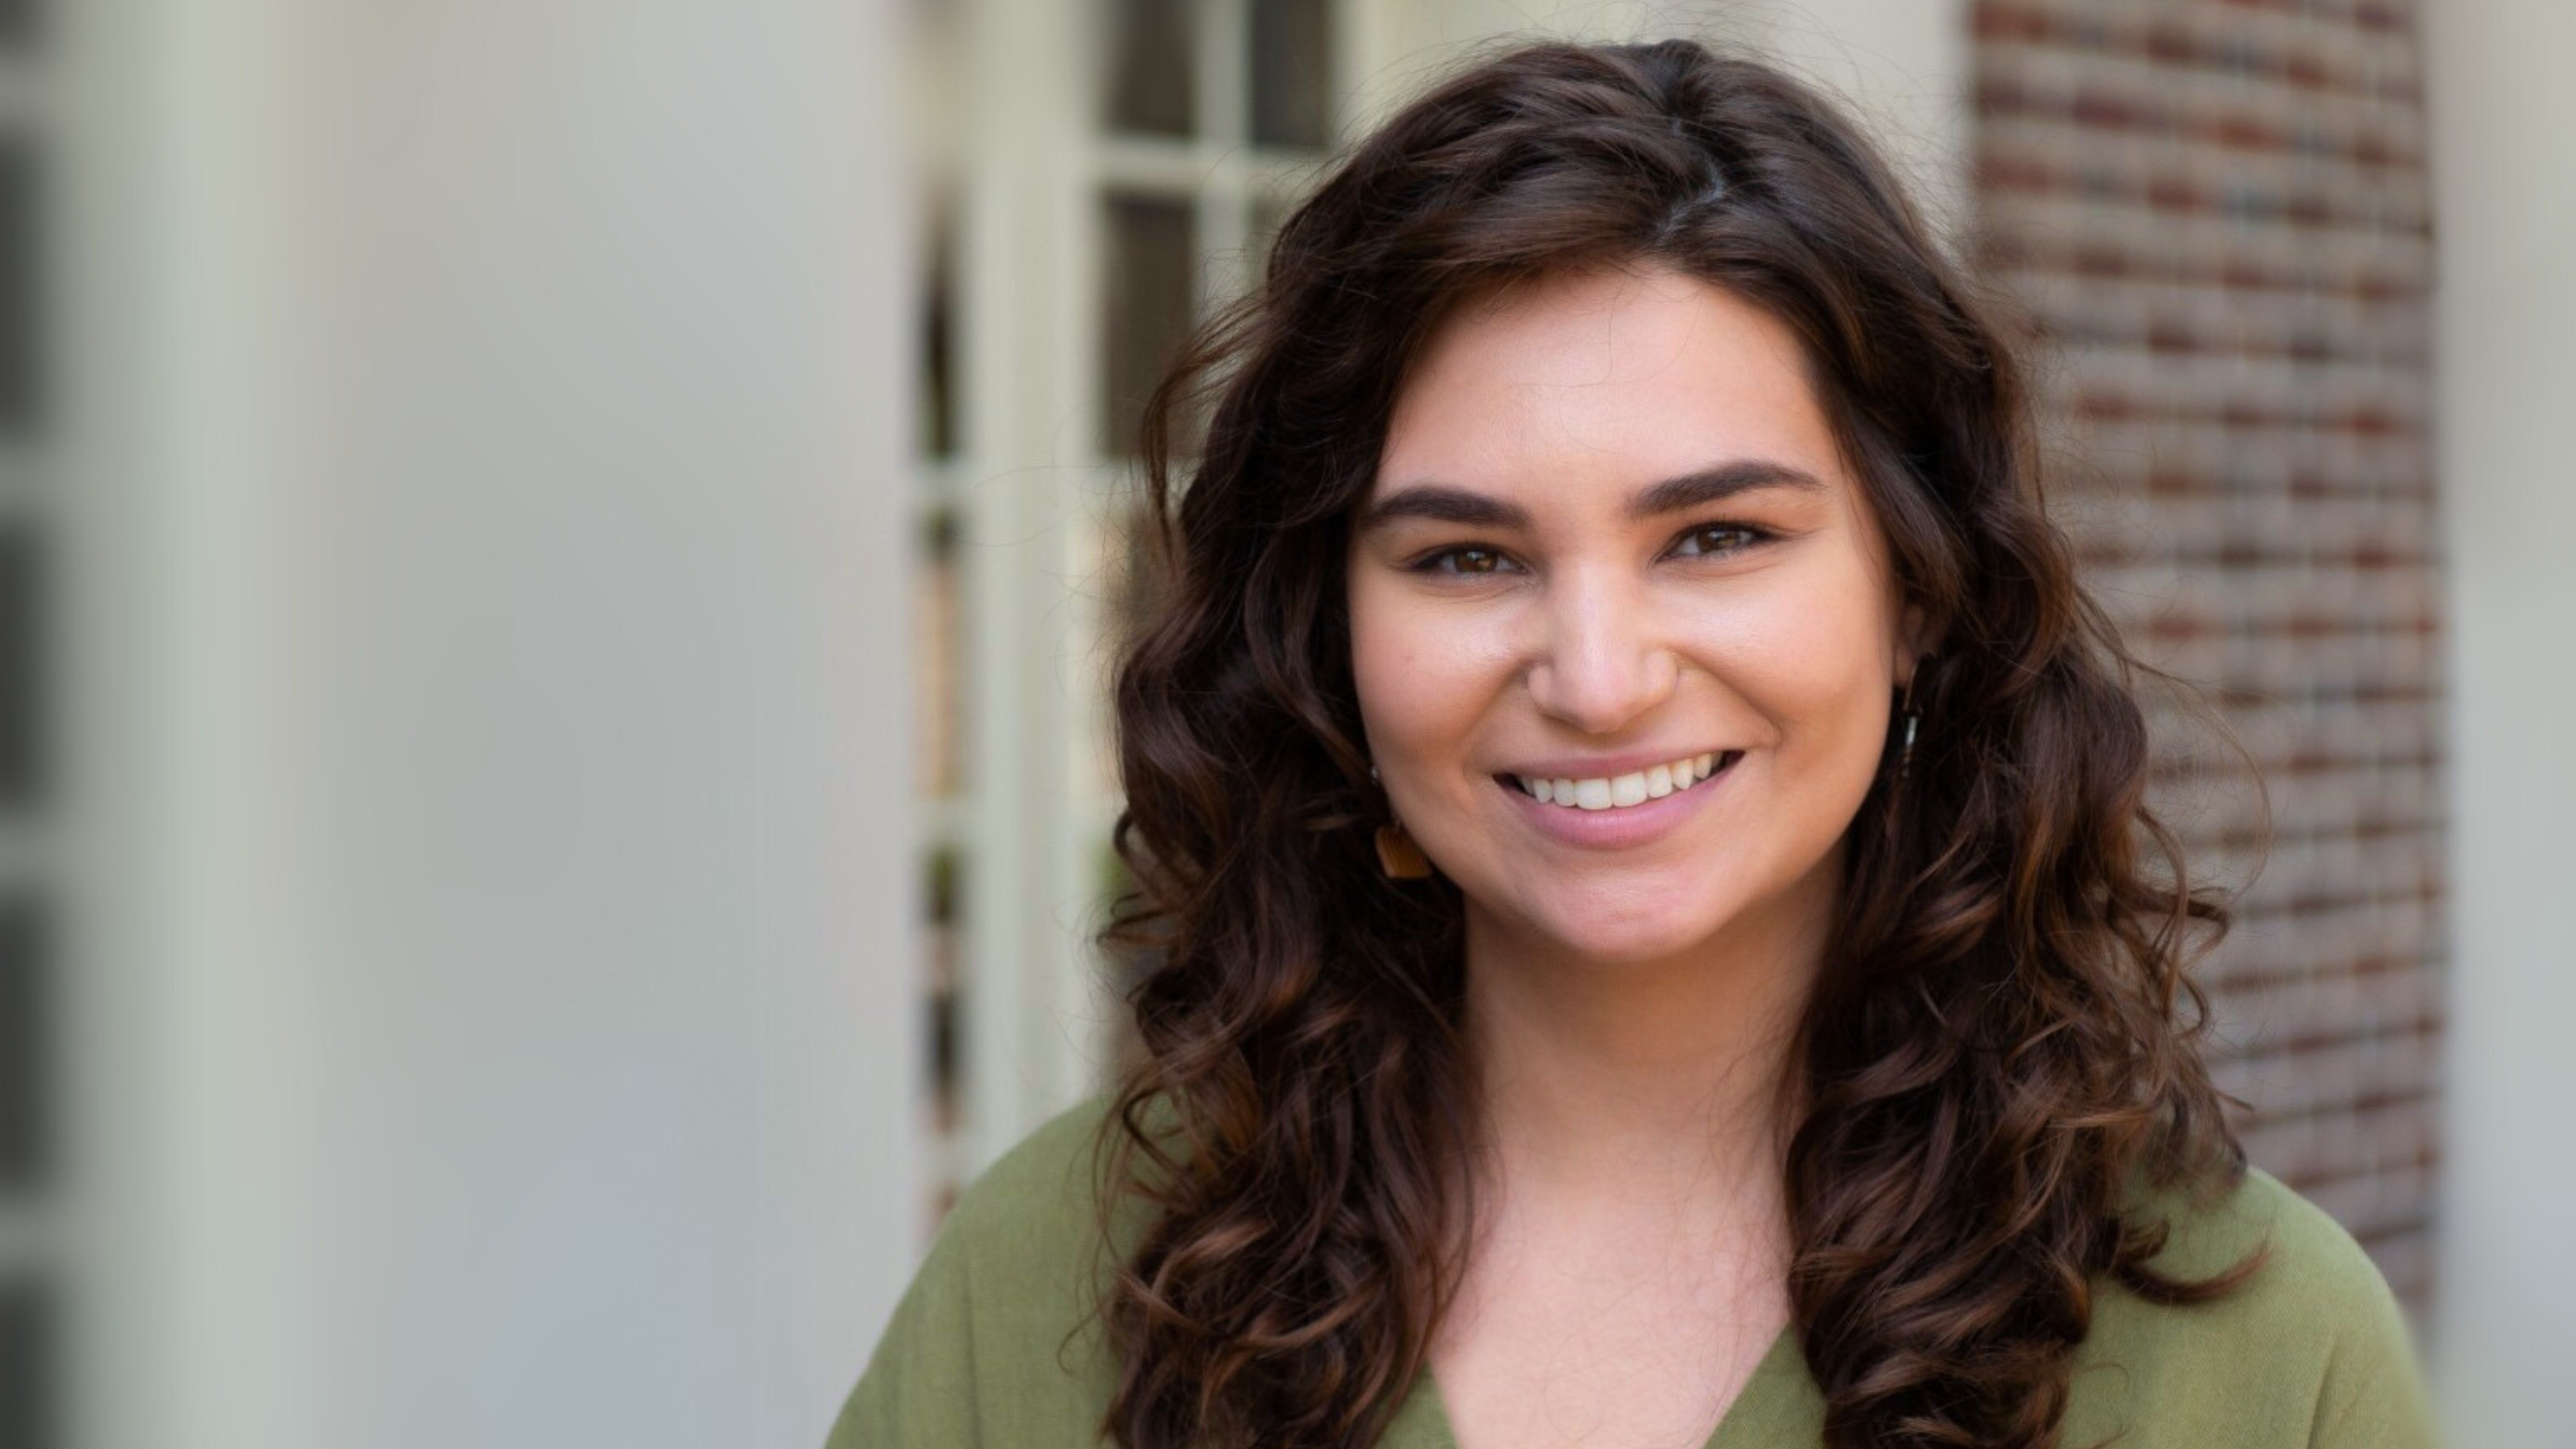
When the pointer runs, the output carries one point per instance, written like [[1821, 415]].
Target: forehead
[[1588, 383]]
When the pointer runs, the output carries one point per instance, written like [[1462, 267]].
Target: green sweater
[[2312, 1352]]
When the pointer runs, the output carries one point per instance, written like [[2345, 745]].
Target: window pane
[[1151, 75], [1291, 97], [939, 647], [1135, 577], [24, 1064], [20, 288], [1269, 213], [935, 428], [940, 939], [26, 1365], [1151, 287], [21, 667]]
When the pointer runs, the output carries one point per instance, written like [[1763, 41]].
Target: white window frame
[[1034, 496]]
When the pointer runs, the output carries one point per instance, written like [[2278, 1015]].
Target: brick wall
[[2215, 217]]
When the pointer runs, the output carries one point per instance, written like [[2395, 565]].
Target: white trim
[[1025, 282]]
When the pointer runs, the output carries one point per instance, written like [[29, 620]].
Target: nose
[[1607, 660]]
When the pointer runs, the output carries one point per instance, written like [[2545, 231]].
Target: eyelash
[[1755, 536]]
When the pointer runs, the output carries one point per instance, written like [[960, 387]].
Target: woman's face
[[1613, 542]]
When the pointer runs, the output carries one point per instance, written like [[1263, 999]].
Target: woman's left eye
[[1464, 561], [1714, 538]]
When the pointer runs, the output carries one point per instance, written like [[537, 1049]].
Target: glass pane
[[24, 1058], [1151, 287], [1269, 213], [1291, 79], [21, 315], [22, 629], [1134, 578], [937, 645], [1099, 555], [940, 939], [936, 427], [26, 1365], [1152, 75], [18, 20]]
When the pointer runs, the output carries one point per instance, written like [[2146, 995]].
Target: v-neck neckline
[[1777, 1408]]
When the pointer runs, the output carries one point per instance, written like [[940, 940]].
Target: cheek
[[1812, 662], [1420, 675], [1387, 650]]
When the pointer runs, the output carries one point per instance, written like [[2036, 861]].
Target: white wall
[[2506, 219], [504, 1030], [1902, 64]]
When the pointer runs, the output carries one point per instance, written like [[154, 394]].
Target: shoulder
[[1042, 1192], [2307, 1254], [993, 1342], [2312, 1348]]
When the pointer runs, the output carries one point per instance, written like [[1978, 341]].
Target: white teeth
[[1621, 791]]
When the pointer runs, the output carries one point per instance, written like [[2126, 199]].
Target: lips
[[1616, 827]]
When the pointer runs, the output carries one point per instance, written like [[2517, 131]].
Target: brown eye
[[1718, 538], [1467, 562]]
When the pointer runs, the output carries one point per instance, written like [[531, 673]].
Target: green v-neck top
[[991, 1346]]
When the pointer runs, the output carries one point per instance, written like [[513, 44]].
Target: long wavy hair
[[2004, 1039]]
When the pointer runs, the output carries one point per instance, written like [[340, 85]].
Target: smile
[[1568, 817], [1621, 792]]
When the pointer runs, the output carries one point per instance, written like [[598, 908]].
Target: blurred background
[[555, 558]]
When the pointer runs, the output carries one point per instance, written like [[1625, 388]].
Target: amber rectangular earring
[[1399, 856]]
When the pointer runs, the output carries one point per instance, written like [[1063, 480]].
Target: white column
[[2505, 218], [513, 985]]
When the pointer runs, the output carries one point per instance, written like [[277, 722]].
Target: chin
[[1646, 938]]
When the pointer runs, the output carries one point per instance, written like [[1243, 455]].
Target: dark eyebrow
[[1442, 503]]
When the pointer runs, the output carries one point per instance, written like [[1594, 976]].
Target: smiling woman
[[1742, 609], [1659, 939]]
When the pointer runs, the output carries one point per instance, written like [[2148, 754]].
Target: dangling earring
[[1397, 855], [1905, 753]]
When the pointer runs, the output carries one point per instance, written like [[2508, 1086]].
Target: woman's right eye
[[1471, 562]]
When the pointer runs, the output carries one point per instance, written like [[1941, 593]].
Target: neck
[[1667, 1079]]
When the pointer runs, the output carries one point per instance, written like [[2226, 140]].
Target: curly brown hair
[[2004, 1042]]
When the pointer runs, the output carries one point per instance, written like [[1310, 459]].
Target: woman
[[1656, 936]]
